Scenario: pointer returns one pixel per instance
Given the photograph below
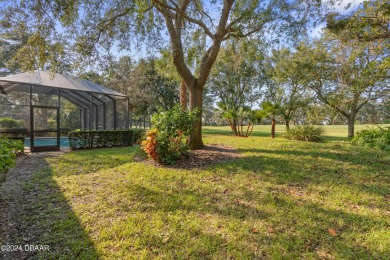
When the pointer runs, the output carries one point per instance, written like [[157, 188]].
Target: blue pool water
[[48, 141]]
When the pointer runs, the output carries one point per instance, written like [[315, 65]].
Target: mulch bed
[[207, 156]]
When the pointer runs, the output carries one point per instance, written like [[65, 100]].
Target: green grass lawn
[[281, 200], [335, 131]]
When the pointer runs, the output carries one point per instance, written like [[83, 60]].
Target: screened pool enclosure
[[45, 107]]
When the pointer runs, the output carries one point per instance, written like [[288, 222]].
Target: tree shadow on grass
[[293, 233], [342, 233], [200, 223], [309, 171], [370, 158], [46, 218], [188, 200]]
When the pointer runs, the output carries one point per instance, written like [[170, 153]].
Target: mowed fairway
[[338, 131], [281, 199]]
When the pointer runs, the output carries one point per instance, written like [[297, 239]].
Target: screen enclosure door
[[45, 132]]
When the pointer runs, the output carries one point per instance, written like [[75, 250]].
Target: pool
[[48, 141]]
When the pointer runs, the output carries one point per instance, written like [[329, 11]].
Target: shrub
[[150, 144], [138, 135], [16, 138], [306, 133], [375, 137], [8, 151], [104, 138], [165, 142], [10, 123]]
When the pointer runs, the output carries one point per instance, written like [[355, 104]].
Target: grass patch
[[332, 132], [281, 199]]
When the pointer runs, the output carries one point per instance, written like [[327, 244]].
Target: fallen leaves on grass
[[332, 232], [270, 230]]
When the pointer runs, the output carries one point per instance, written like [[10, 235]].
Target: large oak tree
[[345, 75], [99, 25]]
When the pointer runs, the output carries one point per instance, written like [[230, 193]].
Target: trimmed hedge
[[14, 132], [10, 123], [97, 139]]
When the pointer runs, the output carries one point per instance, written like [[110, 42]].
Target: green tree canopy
[[370, 22], [184, 25], [286, 88], [345, 75]]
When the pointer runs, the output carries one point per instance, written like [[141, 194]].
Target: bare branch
[[188, 18], [106, 23], [175, 4], [168, 9], [232, 23], [201, 24], [203, 13], [234, 34]]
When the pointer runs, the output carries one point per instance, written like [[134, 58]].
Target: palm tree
[[237, 117], [271, 110], [228, 113]]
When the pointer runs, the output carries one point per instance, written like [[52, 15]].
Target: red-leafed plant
[[165, 142], [150, 144]]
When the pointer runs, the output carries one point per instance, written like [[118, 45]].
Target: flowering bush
[[165, 142]]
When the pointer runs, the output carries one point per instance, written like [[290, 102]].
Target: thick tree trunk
[[287, 125], [183, 95], [273, 128], [351, 125], [194, 140]]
